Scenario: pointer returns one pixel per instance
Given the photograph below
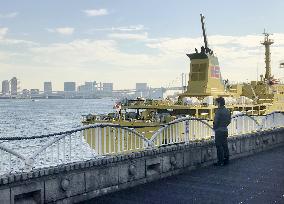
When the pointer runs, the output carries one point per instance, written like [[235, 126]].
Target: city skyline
[[89, 90], [88, 86], [131, 42], [13, 85]]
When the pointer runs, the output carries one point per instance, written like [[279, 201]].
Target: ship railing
[[243, 124], [182, 130], [273, 120], [18, 154]]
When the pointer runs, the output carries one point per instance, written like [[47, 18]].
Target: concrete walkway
[[254, 179]]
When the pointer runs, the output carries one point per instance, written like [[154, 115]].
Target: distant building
[[14, 86], [34, 91], [91, 86], [25, 92], [69, 86], [81, 88], [47, 87], [142, 90], [5, 87], [88, 87], [107, 87], [141, 87]]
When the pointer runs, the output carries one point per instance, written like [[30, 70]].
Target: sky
[[127, 41]]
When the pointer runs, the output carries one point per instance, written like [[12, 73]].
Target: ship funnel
[[205, 75]]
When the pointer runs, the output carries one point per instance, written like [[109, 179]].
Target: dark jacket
[[222, 119]]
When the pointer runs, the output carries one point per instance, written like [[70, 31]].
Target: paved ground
[[254, 179]]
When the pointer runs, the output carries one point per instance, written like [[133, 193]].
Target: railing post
[[29, 163], [150, 144], [186, 131]]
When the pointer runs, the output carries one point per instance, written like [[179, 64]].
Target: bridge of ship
[[23, 154]]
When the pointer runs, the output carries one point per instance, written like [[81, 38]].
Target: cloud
[[174, 46], [62, 30], [4, 41], [4, 56], [3, 32], [156, 61], [123, 28], [9, 15], [129, 36], [86, 53], [240, 57], [96, 12], [15, 42]]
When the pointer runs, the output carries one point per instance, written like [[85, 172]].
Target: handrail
[[12, 152], [169, 138], [243, 114], [58, 142], [120, 138], [71, 131]]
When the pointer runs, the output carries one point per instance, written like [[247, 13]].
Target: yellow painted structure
[[205, 80]]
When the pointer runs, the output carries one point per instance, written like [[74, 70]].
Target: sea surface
[[31, 118]]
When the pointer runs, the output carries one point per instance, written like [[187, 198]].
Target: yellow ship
[[204, 85]]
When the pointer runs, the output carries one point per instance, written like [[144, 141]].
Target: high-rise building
[[141, 87], [5, 87], [47, 87], [142, 90], [14, 86], [88, 87], [95, 86], [81, 88], [107, 87], [69, 86], [26, 92]]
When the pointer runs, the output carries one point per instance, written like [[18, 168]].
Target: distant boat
[[35, 100]]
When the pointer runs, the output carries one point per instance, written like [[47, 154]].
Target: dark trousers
[[222, 146]]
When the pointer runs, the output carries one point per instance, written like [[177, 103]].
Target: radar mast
[[267, 42]]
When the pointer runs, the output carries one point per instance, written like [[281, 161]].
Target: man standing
[[221, 120]]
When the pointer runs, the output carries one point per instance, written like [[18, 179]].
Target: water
[[44, 116]]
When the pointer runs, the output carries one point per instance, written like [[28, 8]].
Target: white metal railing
[[9, 160], [273, 120], [110, 139], [242, 124], [25, 153], [182, 130]]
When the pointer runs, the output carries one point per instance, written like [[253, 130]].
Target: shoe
[[218, 164], [226, 162]]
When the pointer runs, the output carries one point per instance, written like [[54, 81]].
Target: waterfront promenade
[[254, 179], [55, 172]]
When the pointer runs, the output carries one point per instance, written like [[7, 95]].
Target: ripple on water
[[29, 118]]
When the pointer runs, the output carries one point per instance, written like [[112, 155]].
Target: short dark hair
[[221, 101]]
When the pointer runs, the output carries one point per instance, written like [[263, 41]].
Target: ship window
[[195, 68], [203, 67], [194, 77], [198, 72], [202, 76]]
